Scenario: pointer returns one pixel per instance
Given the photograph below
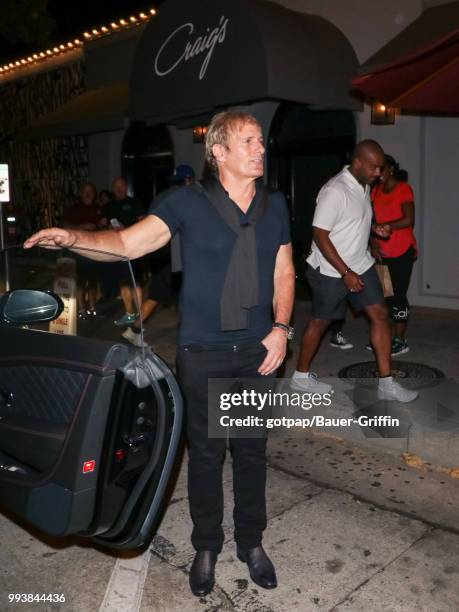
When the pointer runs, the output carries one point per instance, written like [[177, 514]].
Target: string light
[[133, 21]]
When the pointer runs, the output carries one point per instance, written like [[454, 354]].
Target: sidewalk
[[334, 550], [429, 426]]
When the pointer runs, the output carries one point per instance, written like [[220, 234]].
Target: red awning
[[426, 79]]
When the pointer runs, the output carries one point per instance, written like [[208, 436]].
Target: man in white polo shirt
[[341, 269]]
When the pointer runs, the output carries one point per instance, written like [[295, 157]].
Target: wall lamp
[[199, 133], [382, 114]]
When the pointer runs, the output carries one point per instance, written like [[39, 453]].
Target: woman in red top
[[393, 204]]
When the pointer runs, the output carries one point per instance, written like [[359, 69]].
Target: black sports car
[[89, 426]]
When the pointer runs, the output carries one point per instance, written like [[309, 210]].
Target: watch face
[[290, 330]]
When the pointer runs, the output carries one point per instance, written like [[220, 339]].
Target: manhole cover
[[417, 373]]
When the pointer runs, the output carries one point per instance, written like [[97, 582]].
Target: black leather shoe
[[260, 566], [202, 573]]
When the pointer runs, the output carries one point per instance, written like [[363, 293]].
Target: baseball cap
[[181, 172]]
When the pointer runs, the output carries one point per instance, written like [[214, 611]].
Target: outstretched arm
[[143, 237]]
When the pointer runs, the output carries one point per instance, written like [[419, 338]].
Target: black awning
[[97, 110], [195, 56]]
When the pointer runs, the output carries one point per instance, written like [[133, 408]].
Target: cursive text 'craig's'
[[202, 44]]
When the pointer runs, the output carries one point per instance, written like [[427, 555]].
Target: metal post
[[2, 229], [3, 248]]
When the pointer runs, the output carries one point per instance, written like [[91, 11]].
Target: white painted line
[[125, 587]]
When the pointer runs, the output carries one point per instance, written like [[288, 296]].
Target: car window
[[95, 293]]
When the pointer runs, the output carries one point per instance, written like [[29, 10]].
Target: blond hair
[[219, 129]]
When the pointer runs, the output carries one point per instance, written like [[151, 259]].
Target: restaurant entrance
[[306, 148], [147, 160]]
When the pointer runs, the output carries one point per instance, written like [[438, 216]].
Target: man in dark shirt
[[122, 212], [237, 271]]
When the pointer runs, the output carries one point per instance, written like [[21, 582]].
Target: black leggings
[[400, 273]]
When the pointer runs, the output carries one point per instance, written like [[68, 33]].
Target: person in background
[[105, 197], [85, 214], [160, 290], [122, 212], [393, 205]]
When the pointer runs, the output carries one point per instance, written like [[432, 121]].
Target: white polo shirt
[[344, 209]]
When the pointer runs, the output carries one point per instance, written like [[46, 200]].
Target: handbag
[[383, 273]]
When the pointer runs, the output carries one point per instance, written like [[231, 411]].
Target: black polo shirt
[[207, 243]]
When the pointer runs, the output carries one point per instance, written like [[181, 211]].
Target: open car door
[[89, 427]]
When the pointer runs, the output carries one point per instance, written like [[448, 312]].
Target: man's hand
[[353, 282], [383, 230], [52, 237], [276, 344]]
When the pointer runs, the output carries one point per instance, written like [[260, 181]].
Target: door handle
[[6, 398]]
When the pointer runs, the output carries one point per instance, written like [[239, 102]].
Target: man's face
[[87, 194], [244, 154], [120, 189], [369, 166]]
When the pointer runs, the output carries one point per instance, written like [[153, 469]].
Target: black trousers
[[400, 269], [195, 365]]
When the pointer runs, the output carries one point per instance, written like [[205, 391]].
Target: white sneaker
[[339, 341], [307, 381], [389, 389], [133, 338]]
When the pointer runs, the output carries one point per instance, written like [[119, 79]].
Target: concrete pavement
[[338, 541]]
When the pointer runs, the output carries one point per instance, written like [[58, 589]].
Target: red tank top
[[388, 207]]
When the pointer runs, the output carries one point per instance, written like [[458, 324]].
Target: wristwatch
[[290, 330]]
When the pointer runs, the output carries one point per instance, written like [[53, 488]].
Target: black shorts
[[123, 274], [330, 295]]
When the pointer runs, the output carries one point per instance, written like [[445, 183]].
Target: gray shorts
[[330, 295]]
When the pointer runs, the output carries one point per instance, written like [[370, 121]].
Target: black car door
[[89, 427]]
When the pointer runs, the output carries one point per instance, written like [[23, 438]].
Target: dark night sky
[[73, 17]]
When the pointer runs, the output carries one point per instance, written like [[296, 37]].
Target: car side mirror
[[27, 306]]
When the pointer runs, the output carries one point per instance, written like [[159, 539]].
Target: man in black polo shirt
[[237, 273]]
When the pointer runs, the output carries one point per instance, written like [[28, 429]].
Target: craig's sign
[[193, 46]]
